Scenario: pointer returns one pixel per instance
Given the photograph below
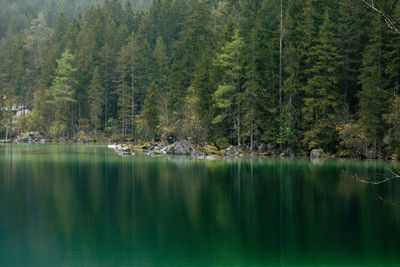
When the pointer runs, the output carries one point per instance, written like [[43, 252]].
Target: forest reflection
[[84, 199]]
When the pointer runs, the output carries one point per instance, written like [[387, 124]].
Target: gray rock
[[317, 153], [197, 153], [261, 147], [232, 151], [160, 146], [125, 150], [183, 148], [168, 150], [31, 137]]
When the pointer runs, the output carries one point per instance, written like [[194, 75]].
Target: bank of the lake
[[85, 205]]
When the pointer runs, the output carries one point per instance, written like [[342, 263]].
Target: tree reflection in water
[[83, 204]]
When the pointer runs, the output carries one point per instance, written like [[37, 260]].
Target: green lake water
[[83, 205]]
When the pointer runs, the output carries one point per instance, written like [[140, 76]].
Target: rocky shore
[[31, 138], [207, 151], [171, 146], [123, 150]]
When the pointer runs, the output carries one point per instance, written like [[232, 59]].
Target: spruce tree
[[150, 113], [351, 22], [62, 95], [161, 78], [123, 90], [228, 96], [96, 100], [373, 96], [321, 94]]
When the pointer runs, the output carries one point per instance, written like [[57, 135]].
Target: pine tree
[[291, 110], [96, 100], [62, 95], [351, 21], [150, 113], [84, 62], [123, 89], [195, 37], [373, 96], [321, 97], [228, 96], [192, 126], [161, 78]]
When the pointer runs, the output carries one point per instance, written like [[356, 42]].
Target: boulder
[[125, 150], [261, 147], [168, 150], [148, 147], [317, 153], [197, 153], [31, 137], [160, 146], [183, 148], [232, 151]]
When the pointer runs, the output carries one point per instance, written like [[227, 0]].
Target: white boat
[[116, 147]]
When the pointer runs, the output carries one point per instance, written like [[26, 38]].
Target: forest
[[294, 75]]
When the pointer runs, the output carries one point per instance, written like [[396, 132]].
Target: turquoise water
[[78, 205]]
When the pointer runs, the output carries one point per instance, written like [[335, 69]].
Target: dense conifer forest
[[295, 75]]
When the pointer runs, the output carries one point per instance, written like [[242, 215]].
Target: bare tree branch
[[377, 6], [394, 175], [387, 201], [377, 195], [375, 182]]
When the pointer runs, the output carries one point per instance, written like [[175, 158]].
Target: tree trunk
[[280, 74], [133, 105]]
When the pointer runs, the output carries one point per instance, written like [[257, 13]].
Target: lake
[[83, 205]]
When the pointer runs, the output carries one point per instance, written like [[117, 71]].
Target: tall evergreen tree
[[228, 96], [321, 96], [62, 95], [351, 26], [373, 96], [96, 100], [150, 113]]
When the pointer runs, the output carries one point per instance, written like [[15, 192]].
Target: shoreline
[[186, 148]]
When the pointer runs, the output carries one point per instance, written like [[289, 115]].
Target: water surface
[[78, 205]]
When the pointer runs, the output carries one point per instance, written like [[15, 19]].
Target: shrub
[[223, 143], [352, 139]]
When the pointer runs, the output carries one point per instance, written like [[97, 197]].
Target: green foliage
[[192, 126], [374, 96], [227, 97], [150, 114], [352, 139], [321, 97], [57, 129], [393, 120], [223, 143], [61, 94], [96, 100], [235, 71]]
